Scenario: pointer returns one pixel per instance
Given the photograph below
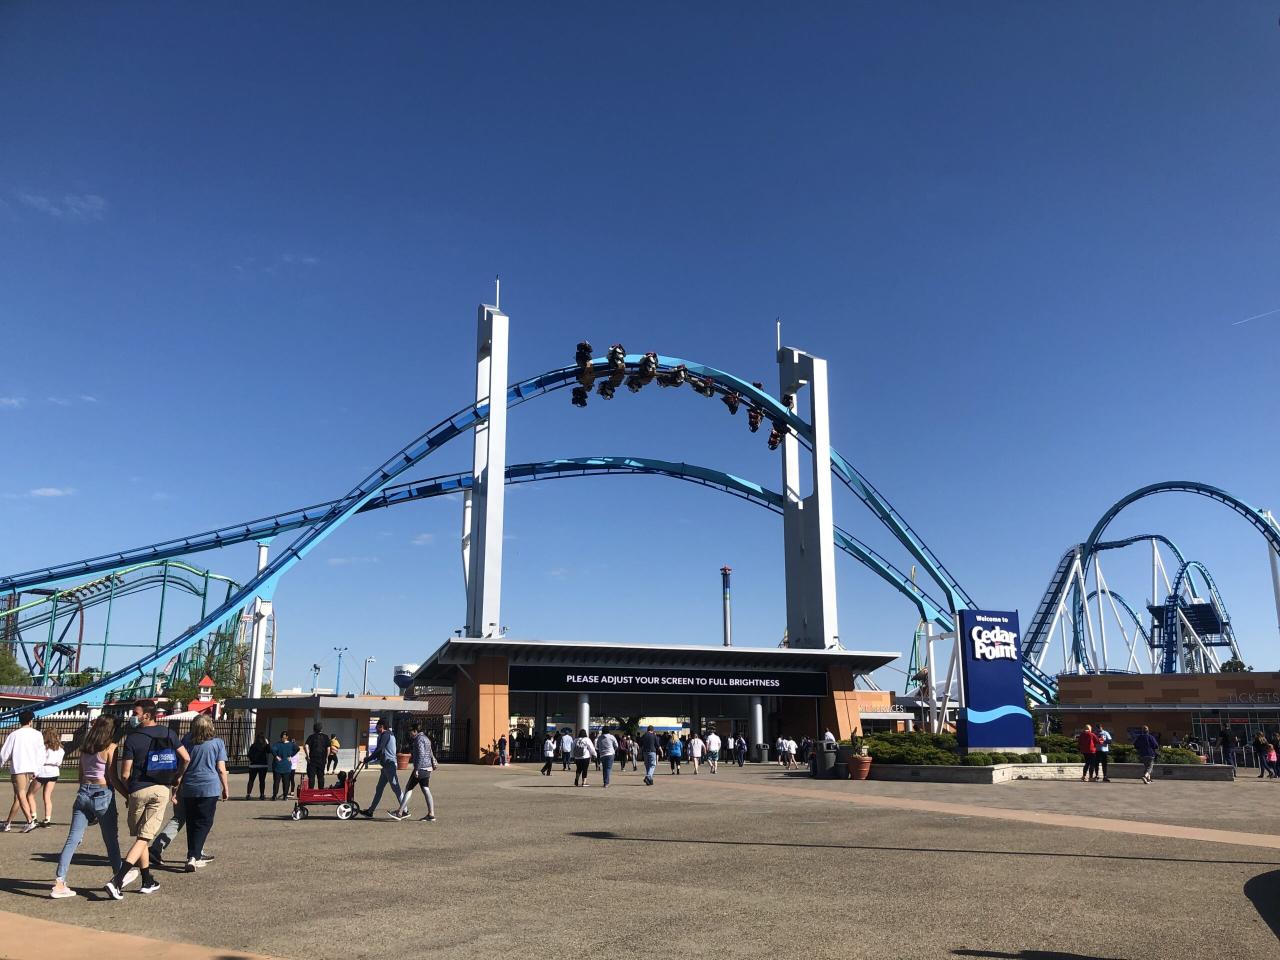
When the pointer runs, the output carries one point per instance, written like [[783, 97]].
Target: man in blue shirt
[[384, 754], [1148, 748]]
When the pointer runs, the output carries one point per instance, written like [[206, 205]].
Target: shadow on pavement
[[25, 888], [609, 835], [1263, 892], [1028, 955]]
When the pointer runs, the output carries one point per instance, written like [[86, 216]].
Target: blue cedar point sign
[[995, 711]]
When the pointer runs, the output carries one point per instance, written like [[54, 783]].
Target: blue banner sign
[[995, 707]]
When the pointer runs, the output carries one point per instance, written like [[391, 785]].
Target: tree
[[1236, 665], [12, 672]]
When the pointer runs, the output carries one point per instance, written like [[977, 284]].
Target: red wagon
[[343, 797]]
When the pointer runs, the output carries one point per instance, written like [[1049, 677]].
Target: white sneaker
[[61, 891]]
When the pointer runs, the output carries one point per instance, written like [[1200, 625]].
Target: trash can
[[823, 757]]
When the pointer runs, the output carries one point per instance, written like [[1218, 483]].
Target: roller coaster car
[[343, 796]]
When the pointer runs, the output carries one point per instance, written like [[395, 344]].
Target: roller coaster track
[[1036, 636], [317, 527], [928, 607], [1172, 604]]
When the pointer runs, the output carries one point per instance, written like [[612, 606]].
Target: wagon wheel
[[298, 812], [346, 811]]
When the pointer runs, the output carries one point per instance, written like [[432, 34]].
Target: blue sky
[[240, 253]]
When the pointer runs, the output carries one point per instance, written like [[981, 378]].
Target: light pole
[[315, 676], [337, 683], [364, 688]]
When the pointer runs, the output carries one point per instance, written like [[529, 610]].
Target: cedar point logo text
[[993, 644]]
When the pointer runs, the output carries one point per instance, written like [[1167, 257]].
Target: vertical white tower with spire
[[482, 534], [808, 521]]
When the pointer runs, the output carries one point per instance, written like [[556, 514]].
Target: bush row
[[941, 749]]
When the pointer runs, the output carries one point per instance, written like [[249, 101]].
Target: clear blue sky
[[240, 253]]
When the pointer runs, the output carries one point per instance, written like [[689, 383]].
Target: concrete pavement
[[748, 863]]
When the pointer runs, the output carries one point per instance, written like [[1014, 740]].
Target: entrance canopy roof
[[442, 666]]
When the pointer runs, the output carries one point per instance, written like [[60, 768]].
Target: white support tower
[[482, 547], [1275, 566], [258, 647], [808, 522]]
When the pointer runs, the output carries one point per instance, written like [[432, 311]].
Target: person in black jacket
[[317, 747], [259, 760]]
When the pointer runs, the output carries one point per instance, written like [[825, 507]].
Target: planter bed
[[1005, 772]]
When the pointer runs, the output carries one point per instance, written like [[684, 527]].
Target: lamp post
[[364, 688], [337, 683]]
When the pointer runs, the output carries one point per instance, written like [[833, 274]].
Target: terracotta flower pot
[[402, 760], [859, 768]]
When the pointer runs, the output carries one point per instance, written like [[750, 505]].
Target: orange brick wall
[[1245, 689], [482, 707]]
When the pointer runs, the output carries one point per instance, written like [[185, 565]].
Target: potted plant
[[859, 763]]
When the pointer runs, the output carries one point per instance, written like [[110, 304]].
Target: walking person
[[23, 752], [204, 783], [633, 751], [332, 762], [424, 763], [740, 750], [583, 752], [713, 750], [384, 755], [696, 751], [1148, 749], [1260, 753], [566, 750], [169, 832], [46, 778], [675, 753], [1088, 743], [153, 761], [316, 748], [1228, 742], [282, 752], [548, 754], [648, 745], [259, 762], [502, 750], [606, 750], [1104, 751], [95, 802], [1272, 759]]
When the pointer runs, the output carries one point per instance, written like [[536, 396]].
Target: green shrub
[[979, 760], [1177, 755], [1056, 743], [1065, 758]]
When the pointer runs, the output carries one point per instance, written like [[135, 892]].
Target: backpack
[[160, 765]]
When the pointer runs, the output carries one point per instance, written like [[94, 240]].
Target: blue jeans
[[650, 764], [99, 803], [388, 777], [606, 764]]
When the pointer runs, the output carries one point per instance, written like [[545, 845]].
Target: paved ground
[[747, 864]]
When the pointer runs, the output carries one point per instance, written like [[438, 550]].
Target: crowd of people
[[694, 751], [167, 783]]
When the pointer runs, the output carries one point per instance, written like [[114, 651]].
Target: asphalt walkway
[[750, 863]]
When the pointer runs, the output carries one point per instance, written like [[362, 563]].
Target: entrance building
[[500, 686], [1183, 707]]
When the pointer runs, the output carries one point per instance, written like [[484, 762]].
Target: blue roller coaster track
[[1174, 603], [318, 523], [1036, 636]]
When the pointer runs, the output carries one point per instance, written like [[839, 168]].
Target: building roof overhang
[[442, 666]]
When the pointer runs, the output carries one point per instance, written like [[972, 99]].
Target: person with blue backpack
[[151, 769]]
